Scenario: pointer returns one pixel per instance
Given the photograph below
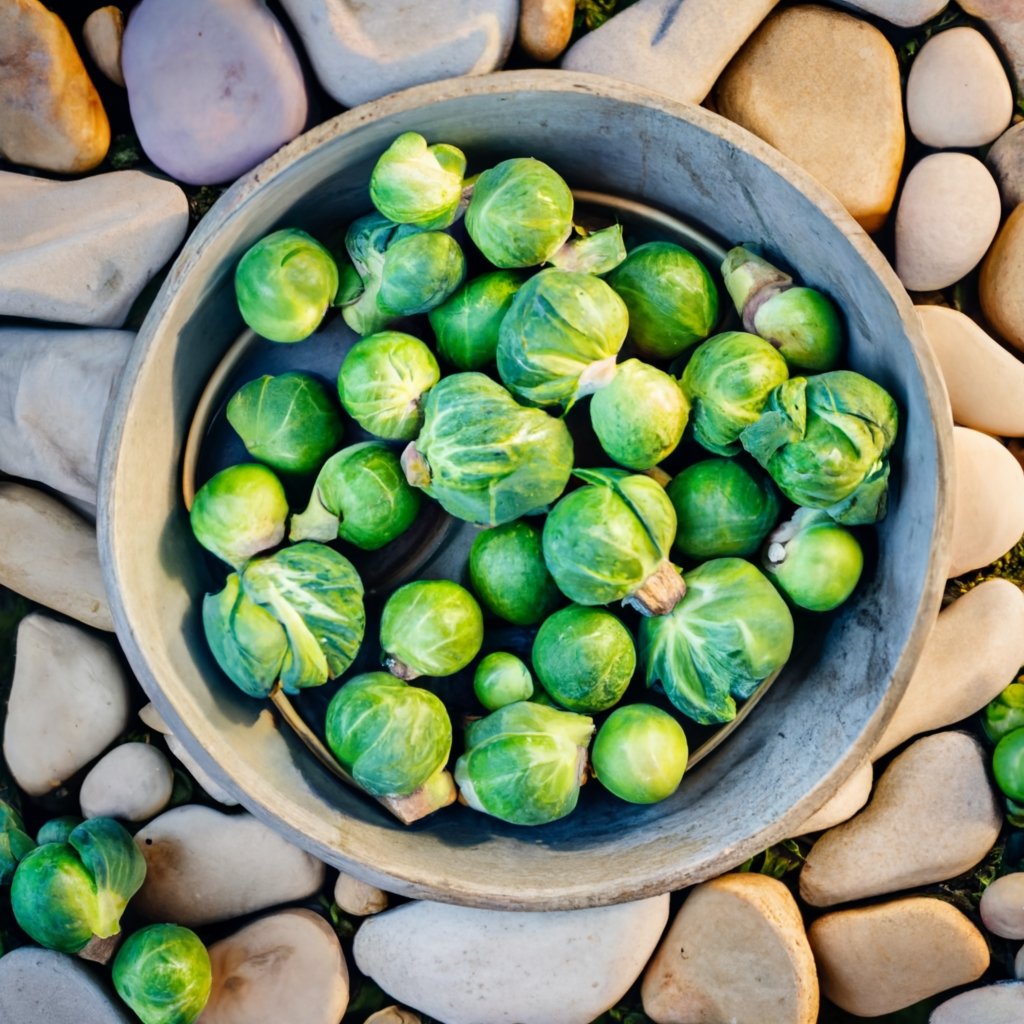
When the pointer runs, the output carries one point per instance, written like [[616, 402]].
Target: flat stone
[[988, 507], [851, 796], [362, 51], [932, 816], [51, 116], [1005, 159], [49, 555], [1002, 1003], [80, 252], [824, 88], [676, 48], [284, 967], [1002, 298], [983, 380], [965, 663], [1002, 906], [358, 898], [102, 32], [958, 94], [204, 866], [509, 967], [69, 701], [41, 985], [905, 13], [238, 97], [947, 216], [132, 782], [878, 959], [736, 952]]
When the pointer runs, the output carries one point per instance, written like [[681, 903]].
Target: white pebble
[[133, 782], [1002, 906]]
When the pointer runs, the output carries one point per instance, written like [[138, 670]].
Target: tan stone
[[735, 952], [824, 88], [879, 959], [1002, 906], [358, 898], [102, 31], [51, 116], [999, 287], [545, 27], [851, 796]]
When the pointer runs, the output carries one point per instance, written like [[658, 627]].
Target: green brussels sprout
[[559, 339], [639, 418], [584, 657], [382, 383], [413, 183], [728, 380], [802, 323], [1007, 767], [284, 285], [163, 973], [640, 754], [592, 252], [1005, 713], [609, 541], [240, 512], [366, 242], [672, 301], [813, 560], [63, 894], [483, 456], [824, 439], [430, 628], [508, 573], [724, 507], [729, 633], [295, 616], [466, 324], [420, 271], [15, 842], [519, 213], [524, 763], [389, 736], [289, 421], [501, 679], [57, 830], [360, 496]]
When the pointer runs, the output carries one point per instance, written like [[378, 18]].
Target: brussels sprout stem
[[399, 669], [415, 466], [316, 523], [597, 375], [746, 274], [660, 592], [100, 951], [437, 792]]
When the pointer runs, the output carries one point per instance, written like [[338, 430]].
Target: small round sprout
[[501, 679], [1005, 713], [163, 973], [1007, 765], [420, 271], [413, 183], [382, 382], [640, 753], [430, 628], [284, 285], [584, 657]]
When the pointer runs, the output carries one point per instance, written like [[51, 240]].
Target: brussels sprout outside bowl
[[820, 718]]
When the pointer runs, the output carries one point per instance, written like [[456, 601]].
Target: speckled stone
[[1005, 159], [1002, 298], [1002, 1003]]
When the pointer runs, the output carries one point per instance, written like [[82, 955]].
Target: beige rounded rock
[[999, 288], [132, 782], [102, 32], [851, 796], [1002, 1003], [947, 216], [984, 381], [545, 27], [1002, 906], [878, 959], [988, 507], [393, 1015], [358, 898], [1005, 159], [737, 952]]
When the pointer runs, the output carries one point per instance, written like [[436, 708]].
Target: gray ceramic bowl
[[819, 719]]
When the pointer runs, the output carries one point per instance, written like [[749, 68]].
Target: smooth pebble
[[358, 898], [1002, 906], [999, 290], [102, 32], [132, 782], [1005, 159], [1002, 1003], [545, 27], [905, 13]]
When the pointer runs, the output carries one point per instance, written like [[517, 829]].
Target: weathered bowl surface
[[819, 719]]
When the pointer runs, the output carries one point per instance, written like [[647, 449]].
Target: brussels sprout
[[163, 973], [509, 575], [57, 830], [584, 657], [823, 437], [466, 324], [366, 242], [483, 456], [729, 633], [296, 616], [382, 383], [430, 628], [672, 301], [639, 418], [501, 679], [1007, 767], [15, 842], [520, 213], [65, 893], [239, 512], [815, 562], [413, 183], [728, 380], [640, 754], [596, 252], [389, 736], [559, 339], [284, 285], [361, 496], [609, 541], [420, 272], [1005, 713], [801, 323], [524, 763], [724, 507], [289, 421]]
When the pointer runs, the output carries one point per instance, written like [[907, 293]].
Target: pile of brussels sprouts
[[729, 476]]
